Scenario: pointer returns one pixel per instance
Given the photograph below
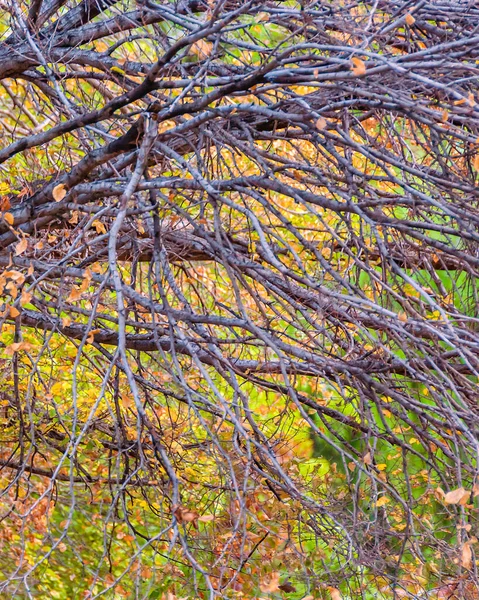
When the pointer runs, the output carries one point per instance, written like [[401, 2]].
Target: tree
[[239, 244]]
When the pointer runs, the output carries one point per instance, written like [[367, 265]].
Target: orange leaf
[[359, 66], [59, 192], [4, 203], [91, 335], [25, 298], [466, 555], [21, 246], [459, 496], [75, 294], [410, 20], [14, 312], [16, 347], [335, 594], [8, 217], [99, 226], [271, 584]]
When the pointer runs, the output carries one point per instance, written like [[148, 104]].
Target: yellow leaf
[[382, 501], [202, 49], [410, 20], [117, 70], [321, 123], [457, 496], [59, 192], [381, 466], [8, 217], [359, 66], [99, 226], [21, 246]]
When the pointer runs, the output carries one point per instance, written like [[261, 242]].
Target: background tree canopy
[[239, 329]]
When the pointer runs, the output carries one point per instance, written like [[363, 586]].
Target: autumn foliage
[[238, 316]]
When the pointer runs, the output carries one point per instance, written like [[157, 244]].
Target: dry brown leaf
[[287, 587], [21, 246], [458, 496], [321, 123], [206, 518], [271, 584], [189, 516], [335, 594], [185, 515], [308, 598], [402, 316], [466, 555], [367, 460], [59, 192], [475, 162], [359, 66]]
